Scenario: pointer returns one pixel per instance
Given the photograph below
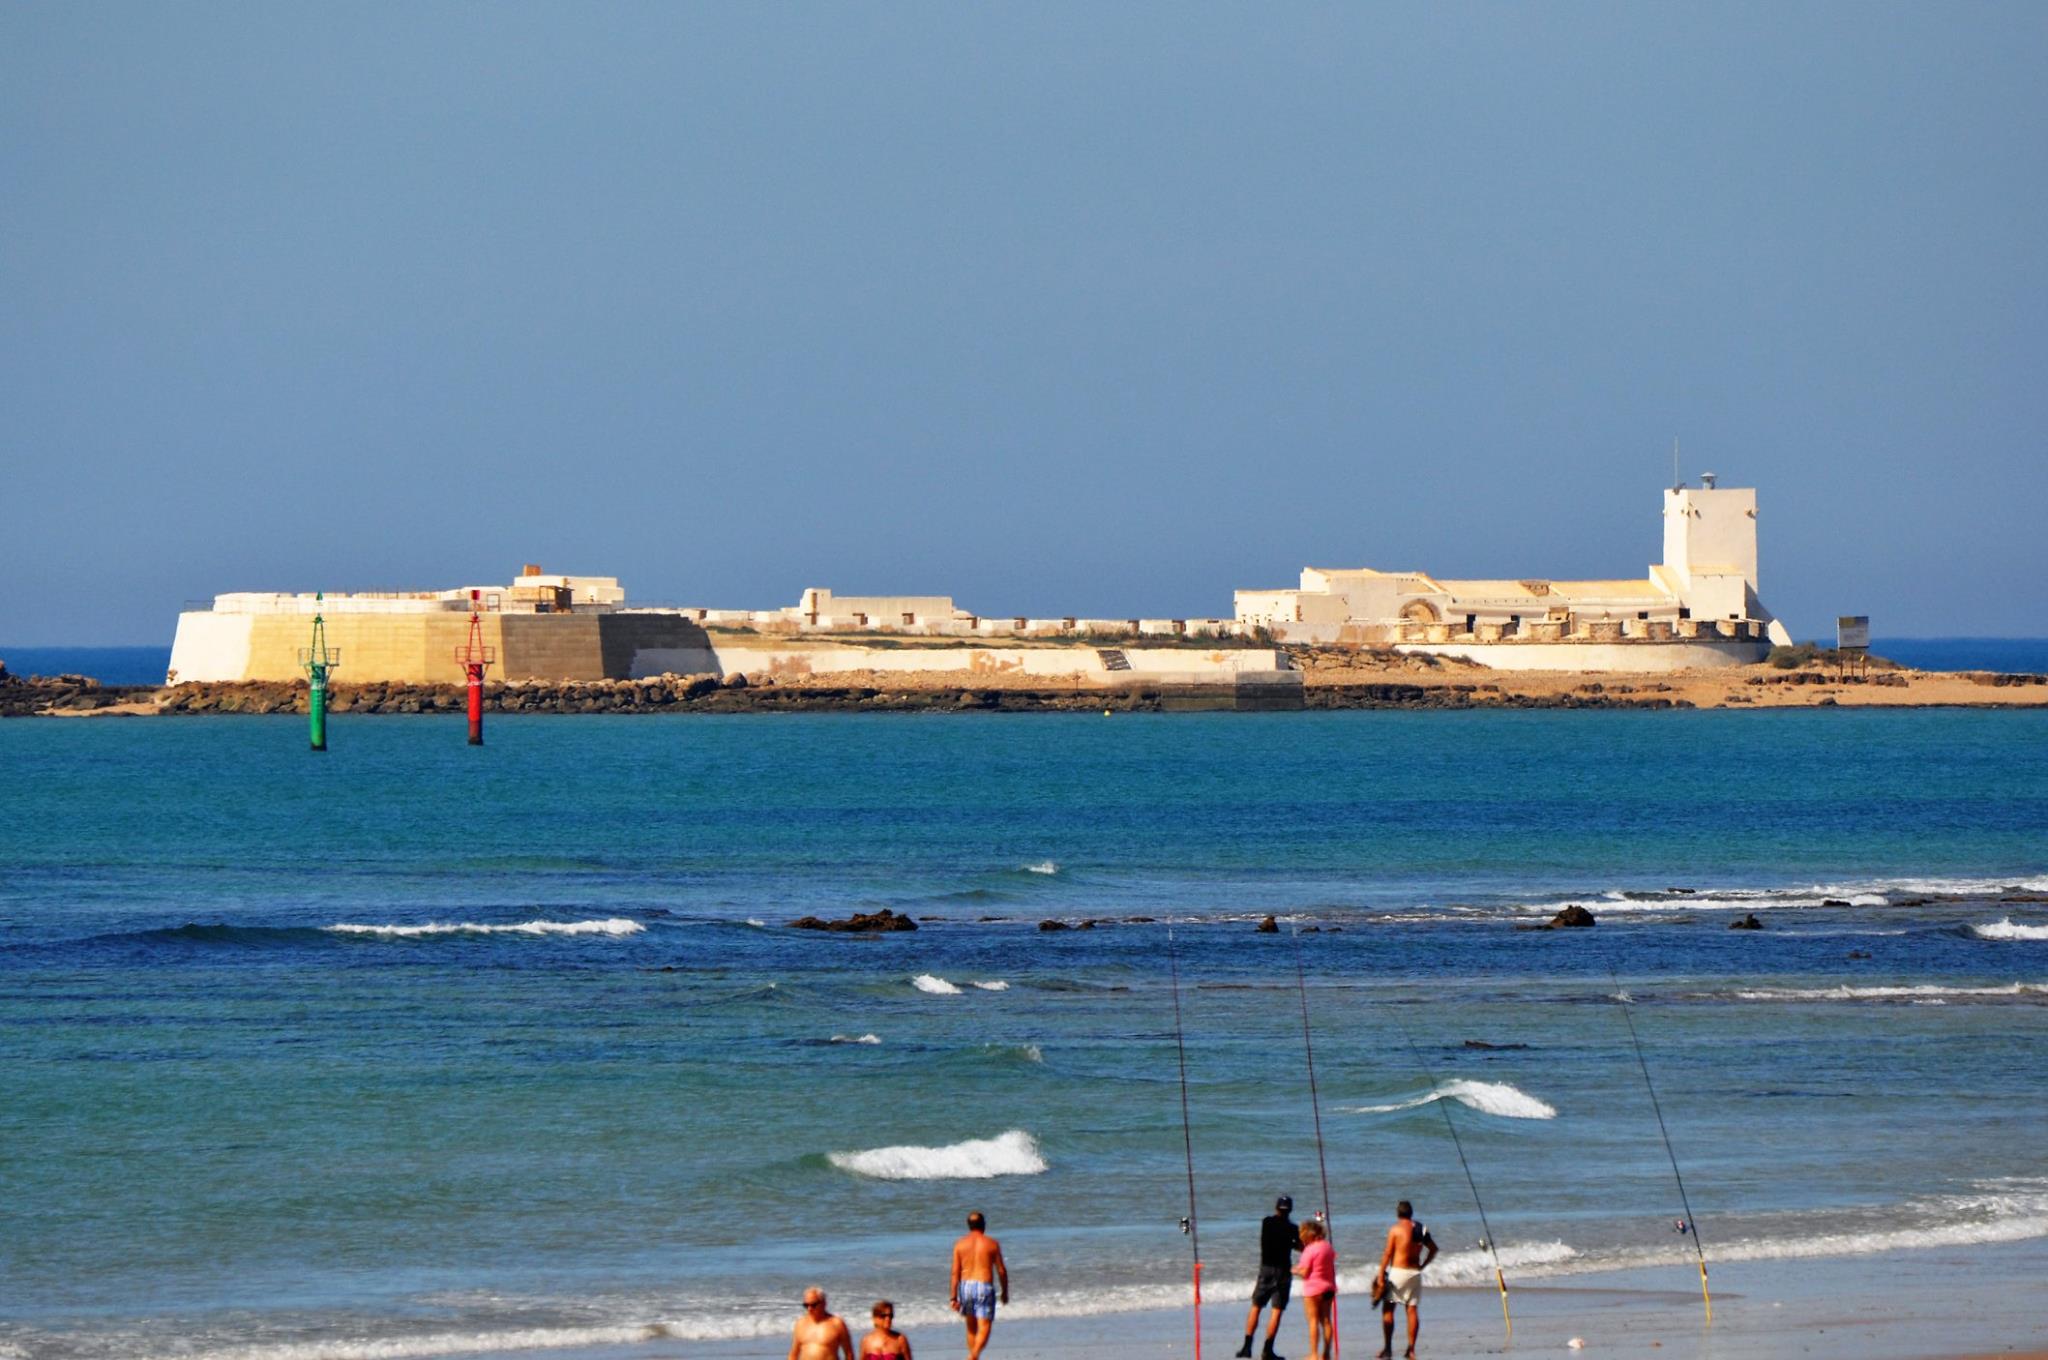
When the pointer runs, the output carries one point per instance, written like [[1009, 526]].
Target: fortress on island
[[1698, 607], [1704, 589]]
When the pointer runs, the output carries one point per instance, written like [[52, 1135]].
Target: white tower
[[1710, 553]]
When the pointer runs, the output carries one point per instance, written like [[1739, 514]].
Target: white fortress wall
[[778, 657], [210, 647], [1641, 658]]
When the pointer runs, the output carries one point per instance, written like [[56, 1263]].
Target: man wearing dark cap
[[1279, 1239]]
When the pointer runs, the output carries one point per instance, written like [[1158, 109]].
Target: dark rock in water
[[1683, 892], [1859, 954], [1748, 922], [862, 922], [1336, 930], [1311, 930], [1054, 924], [1269, 926], [1138, 920], [1834, 902], [1572, 917], [1492, 1048], [2023, 899]]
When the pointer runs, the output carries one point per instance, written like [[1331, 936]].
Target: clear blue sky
[[1097, 308]]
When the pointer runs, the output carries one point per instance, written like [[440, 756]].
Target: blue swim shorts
[[977, 1299]]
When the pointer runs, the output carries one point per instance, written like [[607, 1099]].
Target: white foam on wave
[[2006, 929], [428, 1344], [1937, 887], [937, 986], [1044, 866], [1476, 1266], [757, 923], [977, 1159], [1488, 1097], [856, 1038], [1874, 892], [615, 925], [996, 985], [1914, 992]]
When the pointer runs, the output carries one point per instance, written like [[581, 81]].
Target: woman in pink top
[[1318, 1272]]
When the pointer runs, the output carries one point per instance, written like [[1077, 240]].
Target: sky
[[1088, 309]]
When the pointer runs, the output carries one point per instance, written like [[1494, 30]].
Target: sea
[[413, 1049]]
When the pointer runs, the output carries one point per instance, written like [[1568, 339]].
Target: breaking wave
[[616, 925], [978, 1159], [998, 985], [1476, 1266], [2006, 930], [1915, 992], [937, 986], [1876, 892], [856, 1038], [1487, 1097], [1044, 866]]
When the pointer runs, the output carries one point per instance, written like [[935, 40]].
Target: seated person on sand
[[884, 1341]]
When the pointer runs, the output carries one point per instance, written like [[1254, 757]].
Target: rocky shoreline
[[1362, 685]]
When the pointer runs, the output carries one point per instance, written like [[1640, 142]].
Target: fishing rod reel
[[1185, 1227]]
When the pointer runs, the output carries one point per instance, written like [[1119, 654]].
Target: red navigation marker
[[473, 656]]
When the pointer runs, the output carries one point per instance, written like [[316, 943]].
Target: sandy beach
[[1939, 1304]]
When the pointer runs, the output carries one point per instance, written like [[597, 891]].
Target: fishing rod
[[1443, 1106], [1190, 1224], [1692, 1226], [1315, 1106], [1308, 1045]]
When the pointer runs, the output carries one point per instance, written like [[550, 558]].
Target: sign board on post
[[1852, 630]]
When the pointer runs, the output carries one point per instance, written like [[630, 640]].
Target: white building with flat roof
[[1705, 589]]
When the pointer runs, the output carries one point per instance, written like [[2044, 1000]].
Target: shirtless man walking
[[818, 1334], [980, 1281], [1399, 1279]]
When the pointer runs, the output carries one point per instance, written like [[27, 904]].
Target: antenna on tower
[[1676, 481]]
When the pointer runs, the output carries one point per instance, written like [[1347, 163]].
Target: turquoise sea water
[[417, 1049]]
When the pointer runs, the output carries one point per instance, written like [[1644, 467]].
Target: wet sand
[[1950, 1303]]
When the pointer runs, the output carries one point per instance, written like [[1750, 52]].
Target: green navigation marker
[[318, 660]]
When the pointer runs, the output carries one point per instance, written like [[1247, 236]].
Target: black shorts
[[1275, 1284]]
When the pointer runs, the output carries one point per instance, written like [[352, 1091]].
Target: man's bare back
[[977, 1256], [980, 1282], [1404, 1244]]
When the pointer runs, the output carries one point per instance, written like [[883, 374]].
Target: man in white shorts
[[1399, 1280]]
